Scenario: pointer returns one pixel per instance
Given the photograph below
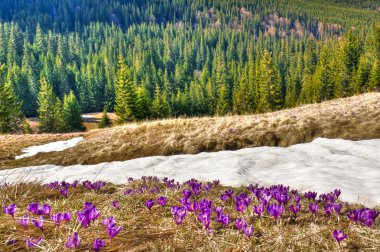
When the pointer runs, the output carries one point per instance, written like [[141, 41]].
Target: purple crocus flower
[[313, 208], [44, 210], [294, 192], [265, 197], [179, 213], [98, 244], [161, 201], [353, 215], [339, 236], [33, 207], [328, 209], [229, 193], [224, 219], [36, 209], [259, 210], [116, 204], [113, 230], [11, 209], [89, 213], [187, 193], [67, 216], [282, 198], [240, 205], [297, 198], [247, 230], [205, 204], [204, 218], [275, 210], [39, 223], [240, 223], [337, 208], [295, 208], [64, 192], [218, 210], [24, 221], [149, 203], [337, 193], [108, 221], [368, 216], [207, 187], [73, 242], [224, 197], [192, 206], [32, 242], [311, 195], [57, 218]]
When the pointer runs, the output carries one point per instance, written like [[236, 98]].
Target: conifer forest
[[148, 59]]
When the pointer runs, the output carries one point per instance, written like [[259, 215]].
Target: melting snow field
[[322, 165], [50, 147]]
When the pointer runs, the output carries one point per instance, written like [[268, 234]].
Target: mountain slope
[[350, 118]]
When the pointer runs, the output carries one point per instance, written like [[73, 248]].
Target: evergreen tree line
[[210, 58]]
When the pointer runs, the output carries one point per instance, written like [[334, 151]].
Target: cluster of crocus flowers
[[242, 201], [59, 217], [242, 226], [89, 214], [195, 201], [93, 185], [364, 216], [179, 214], [38, 209]]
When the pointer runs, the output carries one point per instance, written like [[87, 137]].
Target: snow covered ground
[[323, 165], [50, 147]]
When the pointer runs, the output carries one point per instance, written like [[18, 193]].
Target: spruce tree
[[374, 78], [160, 105], [105, 121], [270, 90], [222, 106], [72, 120], [49, 111], [142, 103], [126, 94], [11, 117]]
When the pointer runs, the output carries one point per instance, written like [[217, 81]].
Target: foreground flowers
[[73, 242], [32, 242], [339, 235], [11, 209], [192, 205]]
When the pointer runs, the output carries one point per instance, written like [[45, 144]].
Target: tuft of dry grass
[[354, 118], [154, 230]]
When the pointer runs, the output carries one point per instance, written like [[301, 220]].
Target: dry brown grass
[[13, 144], [352, 118], [155, 231]]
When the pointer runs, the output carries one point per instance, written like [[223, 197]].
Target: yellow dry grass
[[352, 118]]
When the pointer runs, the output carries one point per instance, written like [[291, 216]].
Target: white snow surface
[[322, 165], [50, 147]]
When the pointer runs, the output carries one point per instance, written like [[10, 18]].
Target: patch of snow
[[50, 147], [322, 165]]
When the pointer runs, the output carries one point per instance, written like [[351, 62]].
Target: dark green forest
[[148, 59]]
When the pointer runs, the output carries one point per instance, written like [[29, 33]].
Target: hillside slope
[[352, 118]]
